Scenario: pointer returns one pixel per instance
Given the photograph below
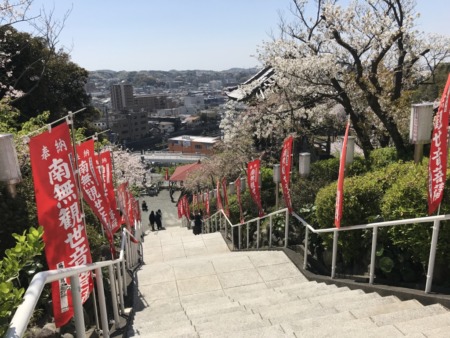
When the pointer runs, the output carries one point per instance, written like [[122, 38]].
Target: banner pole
[[52, 123]]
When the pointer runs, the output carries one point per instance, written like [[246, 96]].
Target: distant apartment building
[[123, 99], [194, 101], [131, 126], [122, 96], [192, 144], [151, 103]]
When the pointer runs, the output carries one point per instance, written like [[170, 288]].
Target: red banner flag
[[187, 211], [59, 212], [437, 165], [92, 189], [253, 184], [131, 202], [207, 204], [180, 210], [122, 197], [107, 177], [166, 176], [194, 201], [237, 186], [340, 183], [225, 197], [219, 198], [285, 168]]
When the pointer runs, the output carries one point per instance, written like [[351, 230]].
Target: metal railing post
[[373, 255], [112, 279], [270, 232], [248, 233], [286, 229], [434, 240], [124, 276], [77, 306], [232, 237], [258, 224], [120, 286], [240, 236], [333, 260], [305, 256], [102, 302]]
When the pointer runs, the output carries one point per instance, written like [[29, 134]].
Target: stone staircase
[[193, 286]]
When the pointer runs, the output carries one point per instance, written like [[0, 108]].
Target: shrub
[[382, 157], [407, 198], [18, 263], [362, 205]]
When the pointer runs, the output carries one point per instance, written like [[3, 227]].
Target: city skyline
[[183, 35]]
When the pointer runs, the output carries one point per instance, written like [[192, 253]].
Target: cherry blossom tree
[[42, 25], [229, 160], [128, 167], [367, 57]]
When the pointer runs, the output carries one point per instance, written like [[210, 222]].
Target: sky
[[164, 35]]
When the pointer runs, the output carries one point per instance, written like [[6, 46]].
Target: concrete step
[[156, 326], [186, 331], [339, 294], [213, 308], [287, 281], [361, 303], [245, 289], [205, 302], [314, 291], [347, 296], [254, 294], [219, 317], [159, 316], [340, 328], [163, 319], [203, 297], [274, 331], [437, 332], [409, 315], [270, 299], [435, 318], [163, 308], [296, 323], [295, 286], [210, 295], [247, 322], [388, 331], [386, 308], [281, 314]]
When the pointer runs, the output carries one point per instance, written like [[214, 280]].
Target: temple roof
[[255, 86]]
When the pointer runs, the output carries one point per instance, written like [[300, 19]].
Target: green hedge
[[407, 198], [362, 205]]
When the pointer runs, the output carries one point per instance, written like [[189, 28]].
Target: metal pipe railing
[[21, 318], [374, 226]]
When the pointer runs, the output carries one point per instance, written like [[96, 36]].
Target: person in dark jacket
[[197, 223], [151, 218], [158, 217]]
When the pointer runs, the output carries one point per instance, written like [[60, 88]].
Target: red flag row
[[60, 211]]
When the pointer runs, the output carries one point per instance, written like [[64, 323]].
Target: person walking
[[158, 221], [152, 220], [197, 223]]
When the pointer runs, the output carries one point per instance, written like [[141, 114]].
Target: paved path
[[163, 202], [193, 286]]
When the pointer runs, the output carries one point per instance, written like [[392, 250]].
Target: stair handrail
[[129, 256], [221, 213], [374, 226]]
